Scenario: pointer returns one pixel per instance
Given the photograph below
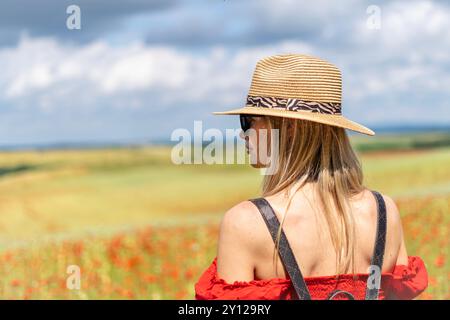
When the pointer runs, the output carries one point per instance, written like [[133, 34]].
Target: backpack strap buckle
[[337, 292]]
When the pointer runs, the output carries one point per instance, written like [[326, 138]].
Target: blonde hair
[[322, 154]]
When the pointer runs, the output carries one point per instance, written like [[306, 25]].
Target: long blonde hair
[[322, 154]]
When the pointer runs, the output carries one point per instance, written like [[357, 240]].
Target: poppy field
[[138, 227]]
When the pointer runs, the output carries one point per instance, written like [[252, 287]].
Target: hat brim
[[330, 119]]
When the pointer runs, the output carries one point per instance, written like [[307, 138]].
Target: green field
[[140, 227]]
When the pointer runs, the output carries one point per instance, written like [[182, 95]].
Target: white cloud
[[53, 72], [408, 55], [407, 26]]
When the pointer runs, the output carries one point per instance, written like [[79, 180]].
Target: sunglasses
[[246, 121]]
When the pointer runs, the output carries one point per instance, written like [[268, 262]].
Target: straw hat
[[300, 87]]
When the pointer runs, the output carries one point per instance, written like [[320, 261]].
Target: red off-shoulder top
[[404, 282]]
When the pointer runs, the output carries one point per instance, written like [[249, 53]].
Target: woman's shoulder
[[243, 211], [241, 223], [239, 237], [240, 219], [392, 211], [367, 202], [395, 251]]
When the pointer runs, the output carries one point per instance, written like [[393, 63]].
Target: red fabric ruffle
[[408, 281], [405, 282]]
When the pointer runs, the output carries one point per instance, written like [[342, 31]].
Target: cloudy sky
[[138, 69]]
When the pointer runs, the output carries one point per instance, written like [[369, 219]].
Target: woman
[[336, 238]]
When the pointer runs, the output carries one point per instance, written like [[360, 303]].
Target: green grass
[[395, 142]]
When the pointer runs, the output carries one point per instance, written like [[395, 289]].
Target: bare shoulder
[[240, 221], [237, 242], [395, 251], [393, 214], [366, 206], [369, 206]]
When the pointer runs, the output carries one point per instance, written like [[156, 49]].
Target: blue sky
[[139, 69]]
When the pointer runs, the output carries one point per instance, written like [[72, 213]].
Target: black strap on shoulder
[[372, 288], [285, 251]]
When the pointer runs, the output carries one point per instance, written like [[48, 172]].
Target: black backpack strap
[[285, 251], [380, 241]]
